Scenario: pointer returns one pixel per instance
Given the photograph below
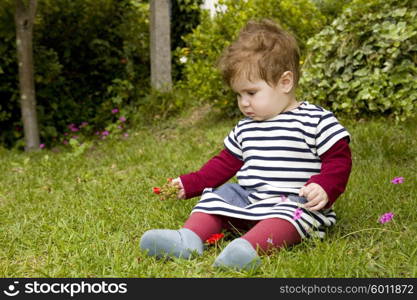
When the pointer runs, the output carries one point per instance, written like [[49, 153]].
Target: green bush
[[331, 8], [90, 57], [365, 62], [82, 49], [205, 44]]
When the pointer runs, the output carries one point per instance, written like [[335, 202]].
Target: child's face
[[259, 101]]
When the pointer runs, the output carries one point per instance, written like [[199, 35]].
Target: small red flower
[[214, 238], [157, 190]]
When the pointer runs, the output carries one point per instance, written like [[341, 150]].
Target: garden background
[[78, 206]]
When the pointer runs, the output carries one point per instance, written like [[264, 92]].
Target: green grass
[[81, 214]]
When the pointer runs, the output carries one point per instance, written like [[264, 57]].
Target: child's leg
[[272, 233], [185, 241], [204, 225], [241, 253]]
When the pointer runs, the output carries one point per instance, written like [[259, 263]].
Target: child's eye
[[251, 93]]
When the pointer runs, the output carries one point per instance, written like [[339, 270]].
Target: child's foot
[[239, 254], [164, 242]]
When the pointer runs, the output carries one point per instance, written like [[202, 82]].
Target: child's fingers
[[309, 192], [177, 182], [312, 202], [317, 206], [303, 192], [181, 194]]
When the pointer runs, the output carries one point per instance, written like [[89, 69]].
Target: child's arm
[[214, 173], [323, 189]]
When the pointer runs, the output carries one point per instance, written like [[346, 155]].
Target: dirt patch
[[195, 116]]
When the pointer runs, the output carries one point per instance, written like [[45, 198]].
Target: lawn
[[81, 213]]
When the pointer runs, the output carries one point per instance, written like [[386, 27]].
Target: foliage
[[90, 57], [185, 17], [331, 8], [207, 41], [83, 50], [365, 63]]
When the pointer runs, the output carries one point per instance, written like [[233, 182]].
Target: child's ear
[[286, 82]]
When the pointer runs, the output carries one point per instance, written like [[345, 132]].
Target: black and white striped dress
[[280, 155]]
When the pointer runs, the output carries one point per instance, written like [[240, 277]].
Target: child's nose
[[244, 101]]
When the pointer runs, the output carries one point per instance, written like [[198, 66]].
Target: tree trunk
[[24, 19], [160, 45]]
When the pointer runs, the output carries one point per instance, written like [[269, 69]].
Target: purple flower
[[297, 214], [125, 134], [397, 180], [65, 142], [105, 133], [114, 111], [386, 217], [122, 119], [42, 146]]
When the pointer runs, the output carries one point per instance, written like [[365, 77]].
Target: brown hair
[[263, 50]]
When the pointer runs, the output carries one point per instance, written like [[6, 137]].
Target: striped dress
[[280, 155]]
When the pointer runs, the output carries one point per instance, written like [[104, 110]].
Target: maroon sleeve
[[336, 164], [214, 173]]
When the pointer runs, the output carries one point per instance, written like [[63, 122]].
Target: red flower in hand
[[214, 238], [167, 190]]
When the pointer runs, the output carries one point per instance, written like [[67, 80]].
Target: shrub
[[365, 62], [81, 50]]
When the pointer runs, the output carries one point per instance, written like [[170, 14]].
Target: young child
[[292, 161]]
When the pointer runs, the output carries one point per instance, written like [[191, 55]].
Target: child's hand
[[178, 184], [316, 196]]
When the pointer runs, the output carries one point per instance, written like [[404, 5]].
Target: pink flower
[[114, 111], [122, 119], [65, 142], [74, 129], [397, 180], [42, 146], [105, 133], [297, 214], [386, 217], [125, 134]]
